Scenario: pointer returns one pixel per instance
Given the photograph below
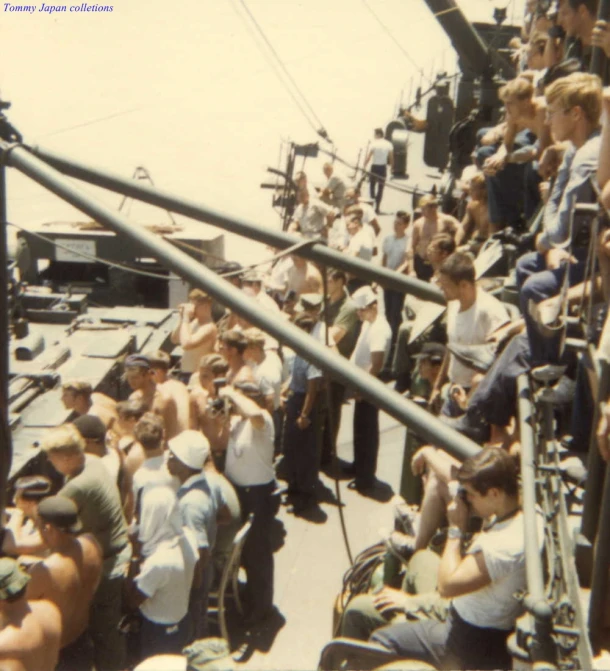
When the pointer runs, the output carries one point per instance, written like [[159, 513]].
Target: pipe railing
[[318, 252], [431, 429], [541, 647]]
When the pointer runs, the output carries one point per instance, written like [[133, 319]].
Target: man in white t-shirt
[[333, 193], [380, 155], [481, 583], [312, 217], [360, 245], [249, 467], [472, 315], [370, 354]]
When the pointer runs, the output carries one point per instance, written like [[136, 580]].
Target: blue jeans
[[377, 179], [536, 283]]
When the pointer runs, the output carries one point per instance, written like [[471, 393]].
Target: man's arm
[[467, 228], [603, 170], [377, 359], [245, 406], [313, 384]]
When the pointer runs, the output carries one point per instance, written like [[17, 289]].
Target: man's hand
[[494, 164], [303, 422], [420, 461], [556, 257], [458, 513], [434, 399], [390, 600], [550, 161], [600, 37], [459, 395], [502, 333]]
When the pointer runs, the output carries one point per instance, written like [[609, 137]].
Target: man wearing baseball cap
[[370, 354], [31, 632], [200, 507], [68, 577]]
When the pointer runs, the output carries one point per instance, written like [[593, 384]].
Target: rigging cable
[[388, 32], [321, 131]]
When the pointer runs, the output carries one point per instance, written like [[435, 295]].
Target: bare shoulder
[[91, 548]]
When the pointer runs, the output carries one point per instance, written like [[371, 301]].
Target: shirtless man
[[424, 229], [303, 277], [475, 224], [30, 633], [140, 378], [68, 577], [232, 347], [523, 112], [212, 367], [159, 363], [195, 332], [78, 396]]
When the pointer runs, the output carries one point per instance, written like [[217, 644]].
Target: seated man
[[481, 583], [574, 109]]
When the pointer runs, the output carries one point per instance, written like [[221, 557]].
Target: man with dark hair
[[233, 344], [68, 577], [343, 325], [480, 583], [472, 315], [30, 633], [160, 365], [195, 331], [380, 155], [577, 18], [78, 396], [394, 256], [140, 378]]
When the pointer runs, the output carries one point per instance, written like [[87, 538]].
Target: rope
[[388, 32], [320, 130]]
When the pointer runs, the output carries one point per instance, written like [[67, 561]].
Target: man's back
[[69, 580], [31, 641]]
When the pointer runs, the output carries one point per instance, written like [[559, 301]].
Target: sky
[[185, 89]]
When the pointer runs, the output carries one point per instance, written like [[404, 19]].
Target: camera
[[218, 405]]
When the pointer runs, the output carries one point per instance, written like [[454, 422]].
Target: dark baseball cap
[[433, 351], [90, 426], [61, 512]]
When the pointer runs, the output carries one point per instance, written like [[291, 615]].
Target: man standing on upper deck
[[195, 332], [382, 155]]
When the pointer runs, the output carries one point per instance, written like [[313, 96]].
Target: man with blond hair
[[97, 499], [574, 110], [195, 331]]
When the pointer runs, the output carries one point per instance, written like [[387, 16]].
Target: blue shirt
[[302, 371], [199, 504], [572, 185]]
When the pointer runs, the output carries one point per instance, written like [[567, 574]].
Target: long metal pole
[[542, 647], [318, 252], [186, 267], [6, 451]]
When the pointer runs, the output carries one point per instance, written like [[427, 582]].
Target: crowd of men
[[126, 537]]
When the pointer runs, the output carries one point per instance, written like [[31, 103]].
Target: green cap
[[12, 578]]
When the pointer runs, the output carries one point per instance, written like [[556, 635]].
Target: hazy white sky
[[182, 88]]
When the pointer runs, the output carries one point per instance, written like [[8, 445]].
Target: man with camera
[[480, 582], [249, 467]]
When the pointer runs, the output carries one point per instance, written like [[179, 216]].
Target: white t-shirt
[[153, 472], [360, 245], [250, 452], [395, 249], [381, 149], [268, 376], [374, 337], [166, 577], [472, 327], [494, 605]]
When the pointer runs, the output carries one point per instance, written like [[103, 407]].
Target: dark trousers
[[300, 449], [495, 399], [366, 443], [377, 183], [453, 644], [536, 283], [394, 300], [257, 555], [332, 422], [104, 618], [78, 655], [163, 639]]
